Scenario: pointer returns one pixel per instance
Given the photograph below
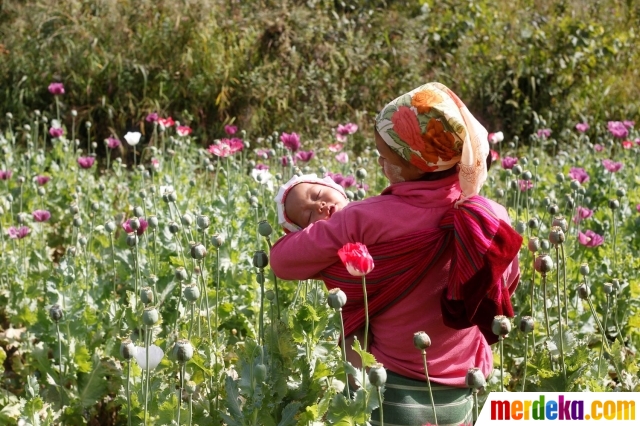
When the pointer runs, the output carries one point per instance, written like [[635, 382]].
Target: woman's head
[[307, 199], [431, 130]]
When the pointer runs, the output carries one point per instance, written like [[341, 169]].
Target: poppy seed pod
[[270, 295], [616, 285], [575, 184], [183, 350], [544, 245], [561, 222], [191, 292], [264, 228], [516, 170], [336, 298], [620, 192], [533, 223], [171, 197], [260, 372], [198, 251], [361, 193], [475, 379], [174, 228], [260, 278], [421, 340], [77, 221], [499, 193], [614, 204], [377, 375], [150, 316], [527, 324], [55, 313], [127, 349], [82, 241], [95, 206], [134, 223], [583, 291], [41, 191], [533, 244], [138, 211], [526, 175], [520, 227], [203, 222], [556, 235], [180, 274], [361, 173], [608, 288], [217, 240], [190, 387], [110, 226], [142, 194], [146, 295], [514, 185], [501, 326], [132, 239], [260, 259], [543, 263], [153, 222], [559, 177], [584, 269], [186, 219], [71, 251], [553, 209]]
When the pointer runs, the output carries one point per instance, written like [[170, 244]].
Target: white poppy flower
[[132, 138], [155, 356]]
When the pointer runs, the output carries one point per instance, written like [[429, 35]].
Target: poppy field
[[135, 286]]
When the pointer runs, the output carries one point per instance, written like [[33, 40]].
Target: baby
[[307, 199]]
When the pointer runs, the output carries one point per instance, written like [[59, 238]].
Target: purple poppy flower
[[525, 185], [143, 226], [55, 132], [304, 156], [18, 233], [56, 89], [598, 148], [638, 208], [612, 166], [343, 158], [230, 130], [113, 143], [290, 141], [86, 162], [263, 153], [617, 129], [5, 174], [42, 180], [582, 127], [590, 239], [152, 117], [629, 124], [261, 166], [336, 177], [582, 213], [41, 215], [509, 162], [345, 130], [284, 160], [544, 133], [578, 174], [348, 181]]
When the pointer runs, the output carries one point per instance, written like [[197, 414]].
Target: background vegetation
[[304, 66]]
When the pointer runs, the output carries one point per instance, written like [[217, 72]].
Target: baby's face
[[307, 203]]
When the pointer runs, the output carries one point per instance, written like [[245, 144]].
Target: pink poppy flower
[[290, 141], [582, 127], [509, 162], [345, 130], [18, 233], [152, 118], [304, 156], [55, 132], [598, 148], [343, 158], [494, 155], [617, 129], [348, 181], [629, 124], [230, 130], [578, 174], [590, 239], [5, 174], [42, 180], [143, 226], [263, 153], [183, 130], [166, 122], [356, 259], [56, 89], [226, 147], [544, 133], [612, 166], [495, 138], [638, 208], [113, 143], [336, 177], [155, 163], [86, 162], [525, 185], [41, 215], [582, 213], [261, 166], [627, 144], [284, 160], [336, 147]]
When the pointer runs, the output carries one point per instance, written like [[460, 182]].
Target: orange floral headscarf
[[432, 129]]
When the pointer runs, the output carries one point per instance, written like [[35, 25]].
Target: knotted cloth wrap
[[482, 246], [284, 221], [432, 129]]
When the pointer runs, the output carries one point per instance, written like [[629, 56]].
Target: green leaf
[[83, 359], [289, 414], [367, 359], [3, 356], [233, 403], [340, 411], [32, 407], [92, 386]]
